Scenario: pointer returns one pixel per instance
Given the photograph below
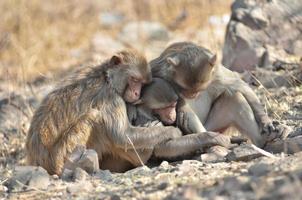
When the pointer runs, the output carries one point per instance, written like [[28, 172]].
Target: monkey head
[[160, 97], [189, 66], [129, 71]]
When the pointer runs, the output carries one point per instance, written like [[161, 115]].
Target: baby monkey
[[159, 102]]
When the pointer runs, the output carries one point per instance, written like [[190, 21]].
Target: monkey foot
[[275, 130]]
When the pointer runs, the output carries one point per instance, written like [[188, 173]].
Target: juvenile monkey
[[89, 109], [158, 102], [224, 98]]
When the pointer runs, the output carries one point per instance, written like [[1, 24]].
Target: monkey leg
[[76, 135], [188, 144], [234, 110]]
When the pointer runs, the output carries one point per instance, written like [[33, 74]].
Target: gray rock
[[89, 161], [79, 187], [28, 177], [144, 30], [253, 27], [111, 19], [243, 152], [104, 175], [79, 174], [259, 169], [81, 157]]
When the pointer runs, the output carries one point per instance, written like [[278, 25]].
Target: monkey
[[211, 96], [89, 109], [158, 102]]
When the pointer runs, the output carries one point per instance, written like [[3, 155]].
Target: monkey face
[[167, 114], [192, 75], [133, 90], [131, 73]]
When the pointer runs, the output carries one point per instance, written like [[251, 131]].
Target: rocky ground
[[245, 173]]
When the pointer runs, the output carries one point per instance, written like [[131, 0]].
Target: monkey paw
[[275, 130], [219, 139]]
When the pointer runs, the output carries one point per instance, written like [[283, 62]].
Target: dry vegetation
[[39, 37]]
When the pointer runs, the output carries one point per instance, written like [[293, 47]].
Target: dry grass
[[38, 37]]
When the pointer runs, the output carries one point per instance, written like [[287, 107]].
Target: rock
[[89, 161], [79, 174], [67, 174], [164, 165], [79, 187], [3, 189], [162, 186], [104, 175], [111, 19], [143, 170], [133, 32], [254, 27], [81, 157], [28, 177], [289, 145], [115, 197], [243, 152], [259, 169]]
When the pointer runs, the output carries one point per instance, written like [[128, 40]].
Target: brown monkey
[[90, 110], [159, 101], [225, 99]]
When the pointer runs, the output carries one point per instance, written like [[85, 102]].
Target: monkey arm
[[188, 144], [187, 120], [148, 137]]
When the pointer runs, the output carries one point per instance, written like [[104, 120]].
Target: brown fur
[[221, 90], [89, 109]]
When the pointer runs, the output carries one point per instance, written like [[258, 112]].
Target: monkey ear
[[212, 60], [115, 60], [173, 61]]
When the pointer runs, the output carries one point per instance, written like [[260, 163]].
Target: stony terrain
[[245, 173]]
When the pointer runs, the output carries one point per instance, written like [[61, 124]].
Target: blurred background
[[39, 38]]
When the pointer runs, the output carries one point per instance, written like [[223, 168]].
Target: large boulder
[[260, 31]]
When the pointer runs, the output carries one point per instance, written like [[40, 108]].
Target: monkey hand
[[213, 138]]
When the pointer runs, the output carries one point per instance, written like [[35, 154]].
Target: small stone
[[162, 186], [115, 197], [67, 174], [104, 175], [259, 169], [82, 158], [3, 188], [164, 165], [211, 158], [79, 174], [89, 161], [28, 177], [55, 177], [243, 153], [78, 187]]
